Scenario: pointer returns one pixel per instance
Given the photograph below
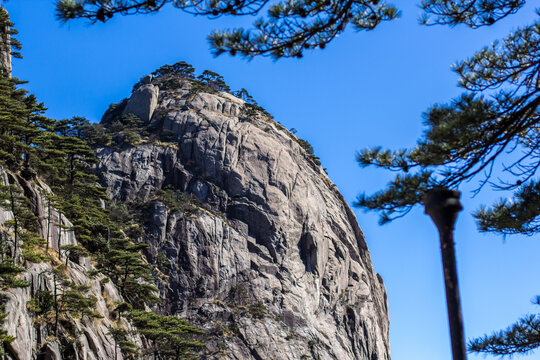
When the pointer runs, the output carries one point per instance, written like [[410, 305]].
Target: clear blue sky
[[365, 89]]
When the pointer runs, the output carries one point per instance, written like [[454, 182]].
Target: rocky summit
[[244, 234], [271, 260]]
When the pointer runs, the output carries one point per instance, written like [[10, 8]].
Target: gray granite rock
[[143, 102], [33, 339], [273, 264], [5, 47]]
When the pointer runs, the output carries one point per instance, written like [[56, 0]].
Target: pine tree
[[171, 337], [78, 195], [5, 338], [520, 338], [8, 275], [469, 137], [120, 336], [213, 80], [65, 299], [287, 30], [72, 252], [23, 224], [244, 95], [124, 264], [22, 126], [181, 68]]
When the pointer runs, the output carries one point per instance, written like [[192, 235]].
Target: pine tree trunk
[[59, 233], [48, 225], [55, 307], [15, 224], [126, 273]]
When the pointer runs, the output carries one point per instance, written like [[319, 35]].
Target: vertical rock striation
[[34, 337], [271, 262], [5, 43]]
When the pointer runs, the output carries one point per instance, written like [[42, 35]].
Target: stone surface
[[143, 102], [266, 257], [273, 264], [5, 47], [32, 338]]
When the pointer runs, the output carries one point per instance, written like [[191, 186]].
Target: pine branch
[[522, 337]]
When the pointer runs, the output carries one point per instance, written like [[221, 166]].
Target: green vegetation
[[73, 252], [257, 311], [213, 80], [13, 46], [199, 87], [121, 129], [244, 95], [122, 343], [8, 275], [520, 338], [177, 200], [5, 339], [170, 336], [181, 68], [309, 150], [489, 133], [251, 111], [23, 225], [124, 265], [65, 301], [36, 150], [287, 30]]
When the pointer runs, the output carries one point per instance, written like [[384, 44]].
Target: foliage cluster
[[489, 133], [520, 338], [309, 150], [5, 338], [177, 200], [287, 30], [65, 301], [169, 77], [170, 336]]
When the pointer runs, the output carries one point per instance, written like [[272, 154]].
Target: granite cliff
[[242, 232], [264, 253], [77, 337]]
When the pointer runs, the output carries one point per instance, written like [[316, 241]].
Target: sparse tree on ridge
[[181, 68], [213, 80]]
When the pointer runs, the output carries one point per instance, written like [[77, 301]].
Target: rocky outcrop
[[143, 102], [267, 256], [5, 42], [88, 338]]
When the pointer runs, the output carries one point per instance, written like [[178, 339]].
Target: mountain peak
[[255, 236]]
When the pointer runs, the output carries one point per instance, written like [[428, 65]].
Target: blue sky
[[364, 89]]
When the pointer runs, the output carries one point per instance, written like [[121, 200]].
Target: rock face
[[143, 102], [5, 44], [34, 339], [272, 262]]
